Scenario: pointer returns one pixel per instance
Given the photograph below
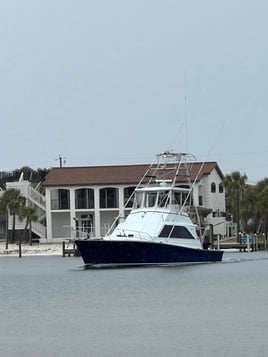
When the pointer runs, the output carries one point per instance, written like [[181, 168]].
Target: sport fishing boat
[[163, 227]]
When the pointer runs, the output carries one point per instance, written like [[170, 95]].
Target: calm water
[[51, 307]]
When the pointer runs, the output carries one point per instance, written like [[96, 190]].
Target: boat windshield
[[163, 198], [137, 202], [145, 199], [178, 198], [150, 199]]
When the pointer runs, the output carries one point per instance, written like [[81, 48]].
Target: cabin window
[[162, 199], [108, 197], [177, 198], [151, 199], [175, 232], [138, 200], [213, 187], [84, 198], [221, 187], [185, 198]]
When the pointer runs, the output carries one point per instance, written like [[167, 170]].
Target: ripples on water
[[50, 306]]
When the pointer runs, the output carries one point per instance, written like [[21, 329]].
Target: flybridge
[[161, 189], [168, 167]]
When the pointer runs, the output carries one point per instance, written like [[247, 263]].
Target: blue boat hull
[[126, 253]]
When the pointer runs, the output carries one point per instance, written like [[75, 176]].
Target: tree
[[250, 213], [29, 214], [30, 174], [11, 201], [262, 204], [235, 184]]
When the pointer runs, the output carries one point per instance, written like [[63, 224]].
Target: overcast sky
[[105, 81]]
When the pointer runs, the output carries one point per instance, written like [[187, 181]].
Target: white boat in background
[[163, 225]]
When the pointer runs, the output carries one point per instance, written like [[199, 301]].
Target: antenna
[[61, 160], [185, 123], [185, 114]]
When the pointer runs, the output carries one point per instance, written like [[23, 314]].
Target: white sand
[[27, 250]]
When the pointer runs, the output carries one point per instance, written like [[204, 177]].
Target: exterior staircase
[[37, 198], [34, 198]]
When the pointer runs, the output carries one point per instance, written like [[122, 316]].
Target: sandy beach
[[27, 250]]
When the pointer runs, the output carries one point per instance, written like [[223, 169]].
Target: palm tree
[[262, 199], [11, 201], [29, 214], [250, 212], [235, 184]]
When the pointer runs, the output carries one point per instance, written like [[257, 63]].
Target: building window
[[109, 197], [218, 213], [128, 196], [60, 199], [221, 187], [84, 198], [64, 199], [200, 201], [213, 187]]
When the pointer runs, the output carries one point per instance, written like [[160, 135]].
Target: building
[[89, 199], [85, 201]]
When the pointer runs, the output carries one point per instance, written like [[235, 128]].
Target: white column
[[97, 211], [121, 202], [48, 214], [72, 211]]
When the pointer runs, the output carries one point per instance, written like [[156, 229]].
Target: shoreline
[[41, 249], [56, 249]]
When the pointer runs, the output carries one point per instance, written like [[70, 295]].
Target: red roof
[[113, 175]]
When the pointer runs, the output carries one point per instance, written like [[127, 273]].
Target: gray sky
[[104, 82]]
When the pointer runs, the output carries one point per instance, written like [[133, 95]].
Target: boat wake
[[230, 260], [244, 259]]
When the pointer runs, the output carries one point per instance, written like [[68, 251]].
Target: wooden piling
[[69, 249]]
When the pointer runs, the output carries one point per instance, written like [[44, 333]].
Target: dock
[[69, 249], [255, 243], [242, 247]]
